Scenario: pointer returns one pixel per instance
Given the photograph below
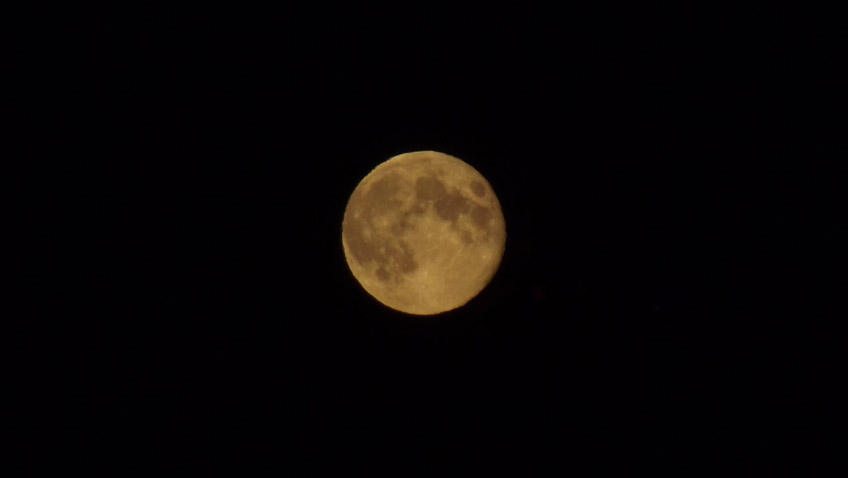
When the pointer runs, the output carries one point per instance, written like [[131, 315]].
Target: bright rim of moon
[[423, 233]]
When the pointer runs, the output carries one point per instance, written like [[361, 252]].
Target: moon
[[423, 233]]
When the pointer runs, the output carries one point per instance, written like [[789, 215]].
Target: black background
[[670, 198]]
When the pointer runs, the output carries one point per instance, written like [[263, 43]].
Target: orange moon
[[423, 233]]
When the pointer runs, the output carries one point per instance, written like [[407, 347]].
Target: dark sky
[[670, 200]]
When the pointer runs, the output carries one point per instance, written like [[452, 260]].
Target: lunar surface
[[423, 233]]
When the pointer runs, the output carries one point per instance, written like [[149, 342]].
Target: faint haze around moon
[[423, 233]]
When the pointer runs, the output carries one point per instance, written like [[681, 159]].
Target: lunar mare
[[423, 232]]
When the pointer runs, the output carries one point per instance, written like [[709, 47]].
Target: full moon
[[423, 233]]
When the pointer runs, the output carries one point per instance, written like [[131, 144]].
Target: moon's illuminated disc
[[423, 232]]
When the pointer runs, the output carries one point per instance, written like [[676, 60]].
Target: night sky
[[670, 199]]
